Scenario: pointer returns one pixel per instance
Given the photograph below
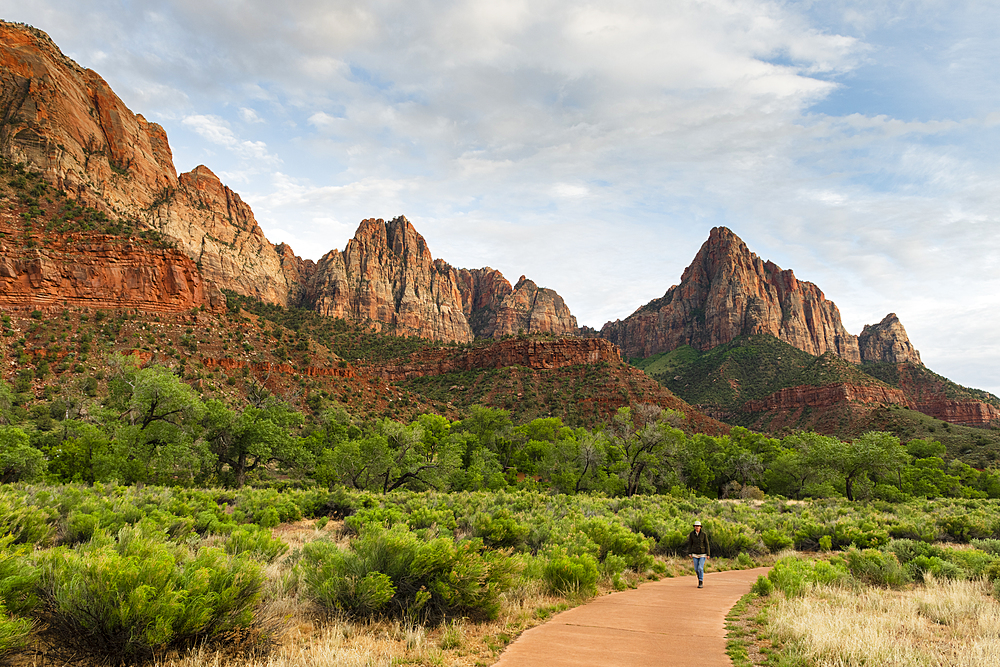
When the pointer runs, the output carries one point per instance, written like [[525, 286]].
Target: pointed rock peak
[[524, 282], [202, 172], [887, 341]]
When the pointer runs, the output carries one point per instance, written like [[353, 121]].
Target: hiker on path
[[699, 550]]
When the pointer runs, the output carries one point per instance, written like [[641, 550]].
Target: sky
[[592, 146]]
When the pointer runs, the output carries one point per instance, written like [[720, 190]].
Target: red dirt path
[[664, 623]]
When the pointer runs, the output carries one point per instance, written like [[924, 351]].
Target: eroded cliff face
[[483, 291], [103, 273], [535, 354], [67, 123], [531, 309], [726, 292], [887, 341], [386, 277], [822, 397]]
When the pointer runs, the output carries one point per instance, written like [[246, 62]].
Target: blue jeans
[[699, 567]]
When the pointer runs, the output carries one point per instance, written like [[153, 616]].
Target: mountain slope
[[66, 123]]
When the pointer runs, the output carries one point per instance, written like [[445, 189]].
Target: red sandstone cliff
[[67, 123], [387, 277], [103, 273], [826, 396], [727, 292], [539, 355]]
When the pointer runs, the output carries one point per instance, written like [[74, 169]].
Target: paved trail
[[667, 623]]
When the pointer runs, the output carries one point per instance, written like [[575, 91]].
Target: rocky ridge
[[727, 292], [65, 122], [535, 354]]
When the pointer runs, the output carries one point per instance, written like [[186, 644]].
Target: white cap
[[697, 523]]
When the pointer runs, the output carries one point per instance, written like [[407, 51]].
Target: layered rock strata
[[727, 292], [538, 355], [108, 274], [67, 123], [386, 277], [532, 309], [808, 396]]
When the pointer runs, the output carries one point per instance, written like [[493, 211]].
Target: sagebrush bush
[[876, 568], [256, 542], [14, 632], [124, 598], [791, 575], [615, 539], [396, 572], [572, 575], [776, 540]]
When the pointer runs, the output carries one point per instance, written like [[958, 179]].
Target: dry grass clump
[[945, 623]]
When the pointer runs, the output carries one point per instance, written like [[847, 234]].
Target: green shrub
[[572, 575], [727, 540], [776, 540], [762, 587], [934, 565], [123, 599], [500, 529], [615, 539], [791, 575], [988, 545], [18, 579], [435, 578], [13, 632], [876, 568], [256, 542]]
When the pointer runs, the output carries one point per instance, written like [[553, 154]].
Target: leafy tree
[[391, 455], [155, 419], [643, 443], [799, 465], [244, 441], [19, 461], [874, 453], [578, 463]]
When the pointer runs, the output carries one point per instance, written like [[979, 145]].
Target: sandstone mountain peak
[[887, 341], [65, 122], [727, 292]]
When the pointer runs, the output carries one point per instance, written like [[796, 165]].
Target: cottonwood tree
[[246, 440], [874, 453], [644, 444], [154, 420]]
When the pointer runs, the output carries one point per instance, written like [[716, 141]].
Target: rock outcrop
[[727, 292], [535, 354], [887, 341], [483, 291], [531, 309], [67, 123], [808, 396], [103, 274], [387, 278], [965, 413]]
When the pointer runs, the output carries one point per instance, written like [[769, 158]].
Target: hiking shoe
[[701, 584]]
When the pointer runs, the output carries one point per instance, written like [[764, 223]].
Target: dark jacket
[[698, 543]]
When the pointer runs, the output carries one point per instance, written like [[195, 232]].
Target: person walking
[[699, 550]]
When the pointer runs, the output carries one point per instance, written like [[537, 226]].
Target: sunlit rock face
[[727, 292]]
